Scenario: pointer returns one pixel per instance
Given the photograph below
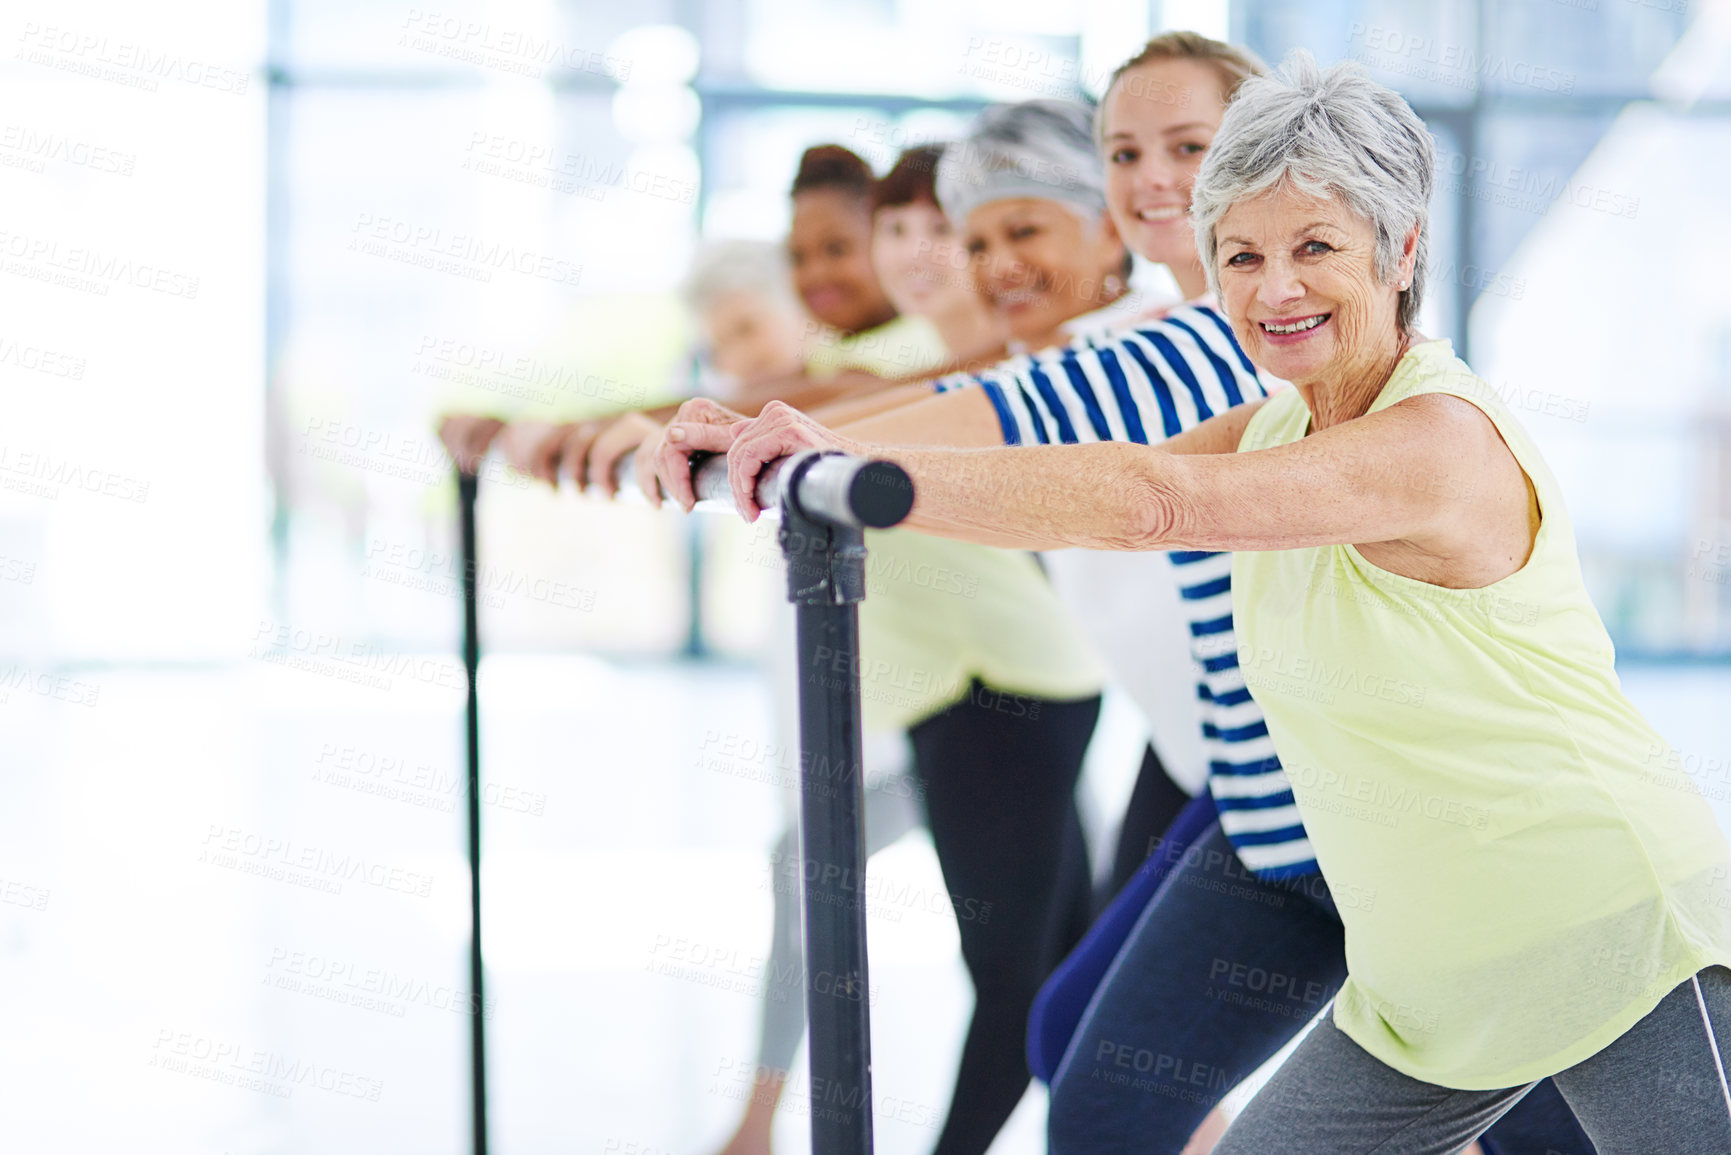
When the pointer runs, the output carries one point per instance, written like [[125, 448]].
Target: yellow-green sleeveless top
[[1538, 878], [939, 613]]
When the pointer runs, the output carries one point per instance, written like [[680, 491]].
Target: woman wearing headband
[[969, 652]]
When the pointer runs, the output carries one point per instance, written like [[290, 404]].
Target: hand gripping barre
[[837, 488]]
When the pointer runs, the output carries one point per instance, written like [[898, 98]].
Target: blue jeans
[[1222, 971]]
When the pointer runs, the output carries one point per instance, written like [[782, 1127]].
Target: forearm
[[979, 361], [1106, 496], [851, 410], [962, 418], [809, 393]]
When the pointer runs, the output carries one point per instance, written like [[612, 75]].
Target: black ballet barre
[[826, 501]]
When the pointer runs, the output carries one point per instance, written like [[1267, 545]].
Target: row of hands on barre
[[652, 450]]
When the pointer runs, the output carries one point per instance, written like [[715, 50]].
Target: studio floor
[[233, 909]]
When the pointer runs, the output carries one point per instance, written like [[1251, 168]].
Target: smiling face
[[1035, 263], [1298, 279], [918, 258], [1158, 122], [829, 247]]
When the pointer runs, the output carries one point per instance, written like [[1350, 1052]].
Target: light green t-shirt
[[1540, 874], [939, 613], [904, 347]]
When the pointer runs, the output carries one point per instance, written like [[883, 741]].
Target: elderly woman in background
[[1414, 623], [740, 294]]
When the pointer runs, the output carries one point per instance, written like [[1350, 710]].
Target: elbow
[[1150, 516]]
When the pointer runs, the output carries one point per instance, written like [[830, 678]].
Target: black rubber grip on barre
[[882, 494]]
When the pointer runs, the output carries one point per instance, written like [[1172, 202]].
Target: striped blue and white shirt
[[1145, 384]]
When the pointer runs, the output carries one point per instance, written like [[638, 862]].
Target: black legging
[[999, 772]]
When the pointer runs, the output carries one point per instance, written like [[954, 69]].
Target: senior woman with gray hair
[[1414, 624]]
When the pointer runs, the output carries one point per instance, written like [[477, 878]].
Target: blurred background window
[[251, 249]]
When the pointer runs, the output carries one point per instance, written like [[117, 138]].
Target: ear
[[1408, 257]]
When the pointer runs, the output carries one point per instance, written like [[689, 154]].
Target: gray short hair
[[1326, 132], [721, 268], [1043, 149]]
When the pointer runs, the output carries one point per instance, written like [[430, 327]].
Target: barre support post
[[467, 488], [826, 581]]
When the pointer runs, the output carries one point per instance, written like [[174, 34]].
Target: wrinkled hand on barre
[[751, 444]]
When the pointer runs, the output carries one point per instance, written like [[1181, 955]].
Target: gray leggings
[[892, 809], [1658, 1090]]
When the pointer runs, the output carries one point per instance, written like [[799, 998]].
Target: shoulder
[[1439, 393], [1431, 368]]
